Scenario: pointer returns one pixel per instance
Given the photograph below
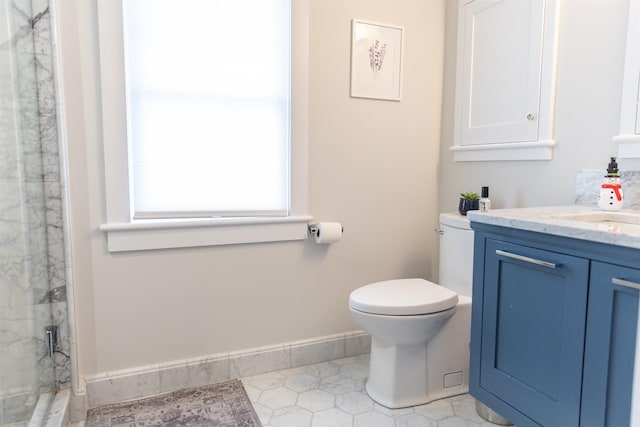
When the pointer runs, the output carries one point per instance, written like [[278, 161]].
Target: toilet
[[420, 330]]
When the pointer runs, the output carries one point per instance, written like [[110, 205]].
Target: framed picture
[[376, 60]]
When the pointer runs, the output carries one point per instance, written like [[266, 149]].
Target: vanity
[[555, 314]]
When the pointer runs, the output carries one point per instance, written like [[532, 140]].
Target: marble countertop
[[578, 222]]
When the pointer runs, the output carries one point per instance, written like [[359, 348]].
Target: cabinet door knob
[[531, 116]]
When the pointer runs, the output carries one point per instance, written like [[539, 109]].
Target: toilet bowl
[[420, 330]]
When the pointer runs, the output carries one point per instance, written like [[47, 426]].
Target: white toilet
[[420, 330]]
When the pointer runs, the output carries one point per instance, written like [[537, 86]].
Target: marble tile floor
[[331, 394]]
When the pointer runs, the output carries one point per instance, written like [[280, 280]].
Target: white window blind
[[208, 107]]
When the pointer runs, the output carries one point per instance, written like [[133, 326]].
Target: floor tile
[[278, 398], [302, 382], [331, 418], [316, 400], [331, 394], [354, 403], [292, 416]]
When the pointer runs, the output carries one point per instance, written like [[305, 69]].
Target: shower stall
[[34, 349]]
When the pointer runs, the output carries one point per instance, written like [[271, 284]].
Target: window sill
[[165, 234], [535, 150]]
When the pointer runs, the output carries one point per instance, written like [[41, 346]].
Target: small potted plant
[[468, 202]]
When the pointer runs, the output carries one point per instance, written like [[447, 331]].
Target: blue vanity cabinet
[[610, 345], [533, 326], [553, 328]]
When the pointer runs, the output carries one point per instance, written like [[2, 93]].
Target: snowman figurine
[[611, 197]]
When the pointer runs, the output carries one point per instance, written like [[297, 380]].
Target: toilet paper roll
[[328, 232]]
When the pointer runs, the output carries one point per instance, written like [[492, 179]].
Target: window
[[201, 147]]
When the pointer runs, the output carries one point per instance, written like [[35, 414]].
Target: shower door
[[27, 377]]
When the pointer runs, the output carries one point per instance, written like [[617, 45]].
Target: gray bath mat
[[224, 405]]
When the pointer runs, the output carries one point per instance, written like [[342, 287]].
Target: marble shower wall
[[32, 267]]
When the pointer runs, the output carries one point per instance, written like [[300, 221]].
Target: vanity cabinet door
[[533, 326], [610, 345]]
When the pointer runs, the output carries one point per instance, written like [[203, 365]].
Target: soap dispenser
[[611, 197]]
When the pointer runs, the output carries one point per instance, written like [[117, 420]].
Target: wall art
[[376, 60]]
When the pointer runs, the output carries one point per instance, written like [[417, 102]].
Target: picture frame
[[376, 60]]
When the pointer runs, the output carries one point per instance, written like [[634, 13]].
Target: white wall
[[373, 166], [590, 67]]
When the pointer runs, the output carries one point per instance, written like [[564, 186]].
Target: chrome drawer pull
[[526, 259], [625, 283]]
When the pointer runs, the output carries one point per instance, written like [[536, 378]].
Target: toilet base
[[397, 374], [411, 374]]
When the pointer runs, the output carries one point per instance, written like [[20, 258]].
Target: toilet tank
[[456, 253]]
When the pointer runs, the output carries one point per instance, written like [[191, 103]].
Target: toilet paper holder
[[314, 230]]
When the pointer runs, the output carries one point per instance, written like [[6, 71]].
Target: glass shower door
[[26, 369]]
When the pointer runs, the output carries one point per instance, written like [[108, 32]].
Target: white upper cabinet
[[629, 138], [501, 71], [505, 80]]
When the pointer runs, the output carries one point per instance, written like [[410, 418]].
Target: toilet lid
[[403, 297]]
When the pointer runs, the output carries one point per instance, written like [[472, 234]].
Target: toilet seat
[[403, 297]]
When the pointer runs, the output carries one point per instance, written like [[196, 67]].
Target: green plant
[[471, 195]]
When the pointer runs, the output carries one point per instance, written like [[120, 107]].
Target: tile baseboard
[[146, 381]]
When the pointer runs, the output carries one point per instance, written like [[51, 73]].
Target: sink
[[602, 217], [612, 222]]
